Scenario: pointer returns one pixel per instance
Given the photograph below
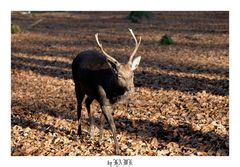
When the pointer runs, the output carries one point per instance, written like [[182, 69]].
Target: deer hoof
[[91, 132], [117, 151], [100, 141]]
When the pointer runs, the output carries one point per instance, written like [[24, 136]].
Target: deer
[[100, 77]]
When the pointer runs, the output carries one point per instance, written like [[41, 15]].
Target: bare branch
[[35, 23]]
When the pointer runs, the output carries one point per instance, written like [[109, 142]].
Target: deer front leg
[[101, 128], [107, 110]]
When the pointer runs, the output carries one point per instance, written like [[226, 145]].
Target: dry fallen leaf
[[180, 105]]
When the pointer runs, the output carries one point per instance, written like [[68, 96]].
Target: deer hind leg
[[88, 102], [80, 97]]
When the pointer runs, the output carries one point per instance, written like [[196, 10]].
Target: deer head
[[123, 72]]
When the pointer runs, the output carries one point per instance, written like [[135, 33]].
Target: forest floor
[[181, 102]]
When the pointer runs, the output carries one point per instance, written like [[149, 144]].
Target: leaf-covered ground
[[181, 103]]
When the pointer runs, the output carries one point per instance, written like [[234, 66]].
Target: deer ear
[[136, 62]]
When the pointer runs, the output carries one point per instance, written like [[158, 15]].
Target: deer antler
[[136, 47], [110, 58]]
